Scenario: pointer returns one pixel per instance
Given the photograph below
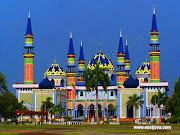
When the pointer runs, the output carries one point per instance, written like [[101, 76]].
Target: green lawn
[[82, 129]]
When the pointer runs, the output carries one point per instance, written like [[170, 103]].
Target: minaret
[[154, 52], [28, 54], [71, 74], [81, 63], [127, 61], [120, 63]]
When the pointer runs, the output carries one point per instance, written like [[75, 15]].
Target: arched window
[[62, 83], [81, 93], [112, 93]]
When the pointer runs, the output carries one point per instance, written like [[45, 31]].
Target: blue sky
[[96, 22]]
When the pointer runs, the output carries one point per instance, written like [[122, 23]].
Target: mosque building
[[67, 87]]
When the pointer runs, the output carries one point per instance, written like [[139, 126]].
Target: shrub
[[163, 120], [14, 120], [173, 120], [85, 119], [69, 119], [106, 122], [8, 122], [154, 121]]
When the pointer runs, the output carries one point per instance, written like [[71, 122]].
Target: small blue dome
[[46, 84], [131, 83]]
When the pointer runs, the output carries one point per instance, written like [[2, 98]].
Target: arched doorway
[[99, 111], [111, 110], [130, 113], [79, 111], [91, 111]]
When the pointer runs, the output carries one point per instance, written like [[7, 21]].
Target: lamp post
[[88, 116], [151, 111], [105, 119], [160, 115]]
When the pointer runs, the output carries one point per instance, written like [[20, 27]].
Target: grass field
[[81, 129]]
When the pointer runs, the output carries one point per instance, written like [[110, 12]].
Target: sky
[[96, 22]]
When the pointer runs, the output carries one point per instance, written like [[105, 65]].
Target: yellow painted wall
[[26, 97], [149, 96], [124, 100]]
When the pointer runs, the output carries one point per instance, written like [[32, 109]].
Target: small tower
[[71, 74], [28, 54], [81, 63], [127, 61], [120, 63], [154, 52]]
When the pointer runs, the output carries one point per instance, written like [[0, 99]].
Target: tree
[[170, 105], [112, 108], [92, 78], [60, 109], [8, 105], [177, 98], [135, 101], [56, 109], [3, 82], [52, 110], [47, 104], [159, 99], [22, 107]]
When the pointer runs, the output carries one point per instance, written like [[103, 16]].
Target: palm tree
[[22, 107], [159, 99], [135, 101], [47, 104], [92, 78], [112, 108], [59, 109], [56, 109]]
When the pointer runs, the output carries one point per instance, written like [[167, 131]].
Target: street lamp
[[88, 116]]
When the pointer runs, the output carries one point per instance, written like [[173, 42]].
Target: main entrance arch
[[130, 112]]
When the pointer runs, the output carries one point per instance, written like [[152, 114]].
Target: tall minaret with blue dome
[[120, 63], [127, 60], [154, 52], [81, 63], [71, 73], [28, 54]]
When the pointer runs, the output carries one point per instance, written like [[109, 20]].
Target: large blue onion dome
[[105, 62], [131, 83], [55, 70], [144, 69], [46, 84]]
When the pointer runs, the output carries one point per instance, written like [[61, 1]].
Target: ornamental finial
[[126, 41], [81, 41], [29, 15], [71, 33], [154, 10], [54, 59], [100, 48], [120, 32]]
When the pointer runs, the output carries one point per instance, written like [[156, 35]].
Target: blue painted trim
[[16, 93], [144, 95], [55, 97], [73, 109], [86, 110], [119, 103], [33, 107]]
